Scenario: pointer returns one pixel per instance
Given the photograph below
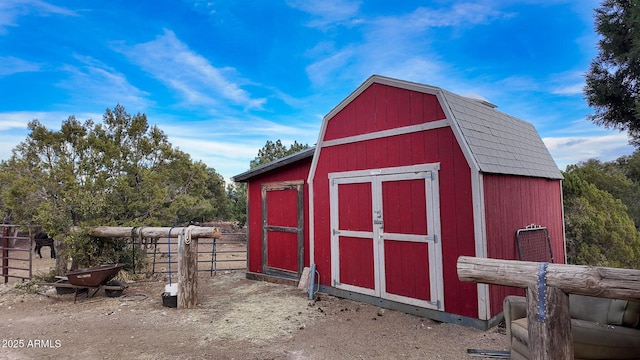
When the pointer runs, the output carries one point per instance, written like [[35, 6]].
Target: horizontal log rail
[[188, 252], [548, 287], [153, 232], [575, 279]]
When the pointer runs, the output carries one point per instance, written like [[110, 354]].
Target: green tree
[[597, 228], [119, 172], [613, 80], [272, 151], [237, 193], [612, 177]]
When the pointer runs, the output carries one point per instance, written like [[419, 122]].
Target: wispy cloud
[[191, 75], [18, 120], [13, 65], [11, 10], [570, 89], [13, 126], [97, 83], [384, 38], [230, 144], [328, 12], [458, 15], [203, 6], [573, 149], [232, 127]]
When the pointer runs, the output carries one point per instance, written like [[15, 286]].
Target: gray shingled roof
[[500, 143]]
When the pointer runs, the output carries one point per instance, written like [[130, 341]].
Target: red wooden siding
[[292, 172], [378, 108], [404, 214], [279, 215], [356, 262], [356, 254], [512, 203], [407, 261], [355, 207], [382, 107], [283, 250]]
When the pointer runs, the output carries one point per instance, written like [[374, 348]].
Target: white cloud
[[13, 126], [574, 149], [229, 144], [16, 120], [328, 12], [100, 84], [10, 10], [567, 83], [572, 89], [325, 69], [13, 65], [191, 75], [459, 14], [396, 45]]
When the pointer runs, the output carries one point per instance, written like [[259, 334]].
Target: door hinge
[[435, 303], [335, 232]]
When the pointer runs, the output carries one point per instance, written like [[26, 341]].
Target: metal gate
[[16, 254], [228, 253]]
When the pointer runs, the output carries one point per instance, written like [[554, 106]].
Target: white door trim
[[433, 238]]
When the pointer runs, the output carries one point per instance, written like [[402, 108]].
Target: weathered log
[[549, 338], [188, 274], [575, 279], [153, 232]]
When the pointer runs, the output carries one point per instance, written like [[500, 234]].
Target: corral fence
[[17, 259], [228, 253]]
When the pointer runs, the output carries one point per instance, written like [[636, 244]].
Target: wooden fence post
[[188, 274], [549, 324]]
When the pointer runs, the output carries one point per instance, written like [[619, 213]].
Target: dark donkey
[[42, 239]]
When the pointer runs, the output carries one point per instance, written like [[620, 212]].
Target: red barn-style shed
[[404, 179]]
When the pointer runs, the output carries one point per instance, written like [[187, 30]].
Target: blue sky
[[220, 78]]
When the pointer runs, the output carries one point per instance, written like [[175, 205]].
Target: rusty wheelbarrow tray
[[96, 276], [84, 280]]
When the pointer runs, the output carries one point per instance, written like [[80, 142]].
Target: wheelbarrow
[[90, 280]]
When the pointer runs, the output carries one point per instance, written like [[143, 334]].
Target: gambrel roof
[[494, 142]]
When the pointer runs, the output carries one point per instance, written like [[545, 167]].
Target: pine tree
[[613, 81]]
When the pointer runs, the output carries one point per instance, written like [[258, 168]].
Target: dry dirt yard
[[236, 318]]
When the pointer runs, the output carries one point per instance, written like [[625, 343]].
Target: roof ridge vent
[[480, 99], [486, 103]]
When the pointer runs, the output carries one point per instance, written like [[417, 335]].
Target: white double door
[[385, 234]]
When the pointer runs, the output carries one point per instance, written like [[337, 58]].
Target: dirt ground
[[235, 318]]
